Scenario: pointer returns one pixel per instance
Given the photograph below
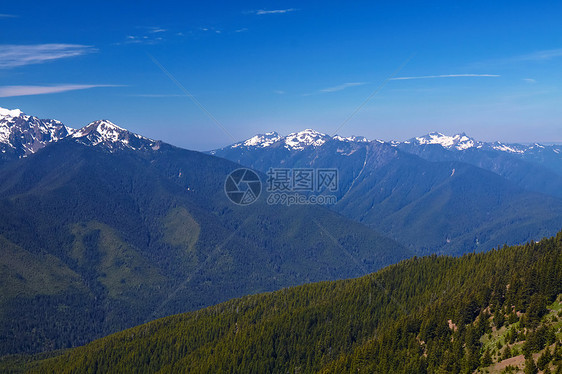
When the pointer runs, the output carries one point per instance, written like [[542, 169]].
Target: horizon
[[18, 111], [209, 75]]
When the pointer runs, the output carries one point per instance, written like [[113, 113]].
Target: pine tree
[[530, 367], [544, 359], [486, 359], [506, 353]]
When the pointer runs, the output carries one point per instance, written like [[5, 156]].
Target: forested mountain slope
[[97, 236], [433, 314], [440, 205]]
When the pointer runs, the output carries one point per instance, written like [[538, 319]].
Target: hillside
[[98, 235], [536, 168], [433, 314], [442, 205]]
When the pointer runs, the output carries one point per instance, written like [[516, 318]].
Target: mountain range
[[102, 229], [435, 194], [21, 135], [433, 203], [535, 167]]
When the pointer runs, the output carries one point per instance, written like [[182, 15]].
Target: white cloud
[[13, 55], [538, 55], [446, 76], [155, 30], [148, 35], [142, 39], [11, 91], [276, 11], [279, 92], [530, 80], [342, 87], [4, 15], [241, 30]]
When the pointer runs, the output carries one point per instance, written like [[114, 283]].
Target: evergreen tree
[[530, 367], [544, 359], [506, 353], [486, 359]]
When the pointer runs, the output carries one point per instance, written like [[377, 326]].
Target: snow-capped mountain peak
[[354, 139], [102, 130], [261, 140], [510, 148], [21, 135], [296, 141], [302, 139], [459, 141], [10, 113], [111, 136]]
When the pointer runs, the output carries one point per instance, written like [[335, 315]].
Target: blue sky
[[490, 69]]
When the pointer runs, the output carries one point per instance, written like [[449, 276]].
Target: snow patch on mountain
[[260, 140], [458, 141], [4, 134], [306, 138], [354, 139], [10, 113], [510, 148], [461, 142], [296, 141], [101, 131]]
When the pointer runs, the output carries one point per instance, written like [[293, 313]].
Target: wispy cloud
[[12, 55], [335, 88], [210, 29], [4, 15], [537, 56], [157, 35], [530, 80], [342, 87], [446, 76], [147, 35], [11, 91], [158, 95], [156, 30], [279, 92], [275, 11], [142, 39]]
